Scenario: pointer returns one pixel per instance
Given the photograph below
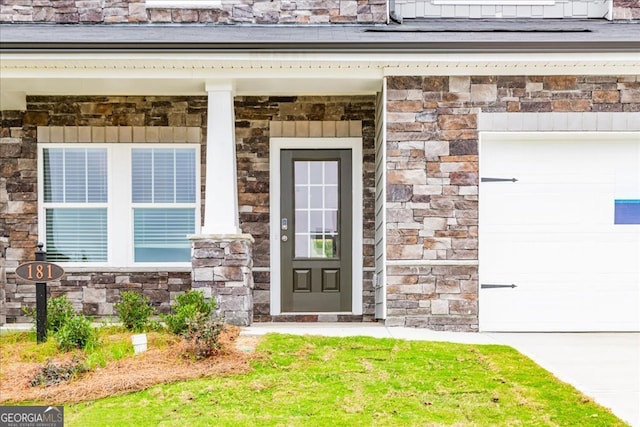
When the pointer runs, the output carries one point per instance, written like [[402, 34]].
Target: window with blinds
[[75, 197], [119, 204], [164, 179]]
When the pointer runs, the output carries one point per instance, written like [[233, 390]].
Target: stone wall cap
[[222, 237]]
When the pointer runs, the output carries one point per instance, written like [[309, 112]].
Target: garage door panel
[[559, 252], [553, 234], [564, 203], [603, 308]]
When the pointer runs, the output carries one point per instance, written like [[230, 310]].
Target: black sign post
[[41, 301], [39, 271]]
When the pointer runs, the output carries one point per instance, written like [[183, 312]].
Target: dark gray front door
[[315, 230]]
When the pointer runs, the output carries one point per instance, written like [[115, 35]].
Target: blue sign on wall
[[627, 211]]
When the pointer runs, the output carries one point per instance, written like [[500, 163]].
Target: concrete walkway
[[604, 366]]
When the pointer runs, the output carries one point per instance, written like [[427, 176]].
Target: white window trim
[[119, 250], [355, 145]]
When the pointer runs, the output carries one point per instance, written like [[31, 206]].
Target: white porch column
[[221, 199]]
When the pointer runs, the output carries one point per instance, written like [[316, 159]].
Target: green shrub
[[134, 311], [203, 333], [59, 310], [76, 332], [188, 306]]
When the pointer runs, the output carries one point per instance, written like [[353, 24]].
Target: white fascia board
[[287, 65]]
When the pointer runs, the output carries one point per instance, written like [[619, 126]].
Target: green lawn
[[319, 381]]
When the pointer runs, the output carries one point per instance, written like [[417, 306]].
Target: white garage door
[[560, 247]]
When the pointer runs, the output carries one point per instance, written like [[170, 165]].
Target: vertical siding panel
[[380, 210]]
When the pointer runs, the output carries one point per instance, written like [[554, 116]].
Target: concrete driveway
[[604, 366]]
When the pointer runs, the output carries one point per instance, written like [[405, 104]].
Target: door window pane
[[316, 205], [316, 172], [301, 197], [315, 201], [331, 222], [331, 197], [302, 221], [301, 172]]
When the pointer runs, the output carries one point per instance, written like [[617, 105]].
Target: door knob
[[284, 238]]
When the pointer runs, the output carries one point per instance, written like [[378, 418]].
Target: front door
[[315, 230]]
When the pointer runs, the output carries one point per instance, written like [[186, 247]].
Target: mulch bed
[[155, 366]]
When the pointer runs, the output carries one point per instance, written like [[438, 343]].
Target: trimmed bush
[[76, 332], [203, 333], [134, 311], [59, 310], [188, 306]]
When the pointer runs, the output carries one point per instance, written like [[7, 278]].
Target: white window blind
[[78, 235], [75, 184], [160, 234], [163, 175], [75, 175]]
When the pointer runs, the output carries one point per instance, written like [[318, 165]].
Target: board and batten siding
[[504, 8], [380, 179]]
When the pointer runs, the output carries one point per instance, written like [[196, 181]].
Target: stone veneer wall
[[253, 118], [228, 12], [432, 180], [626, 10], [93, 293], [222, 270]]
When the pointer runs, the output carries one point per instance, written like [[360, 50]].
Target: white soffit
[[282, 74]]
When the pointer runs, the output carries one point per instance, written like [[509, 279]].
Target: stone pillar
[[222, 269], [4, 242], [221, 199]]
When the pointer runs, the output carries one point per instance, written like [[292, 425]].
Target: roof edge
[[346, 47]]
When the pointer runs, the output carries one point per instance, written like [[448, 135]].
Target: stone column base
[[222, 268]]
